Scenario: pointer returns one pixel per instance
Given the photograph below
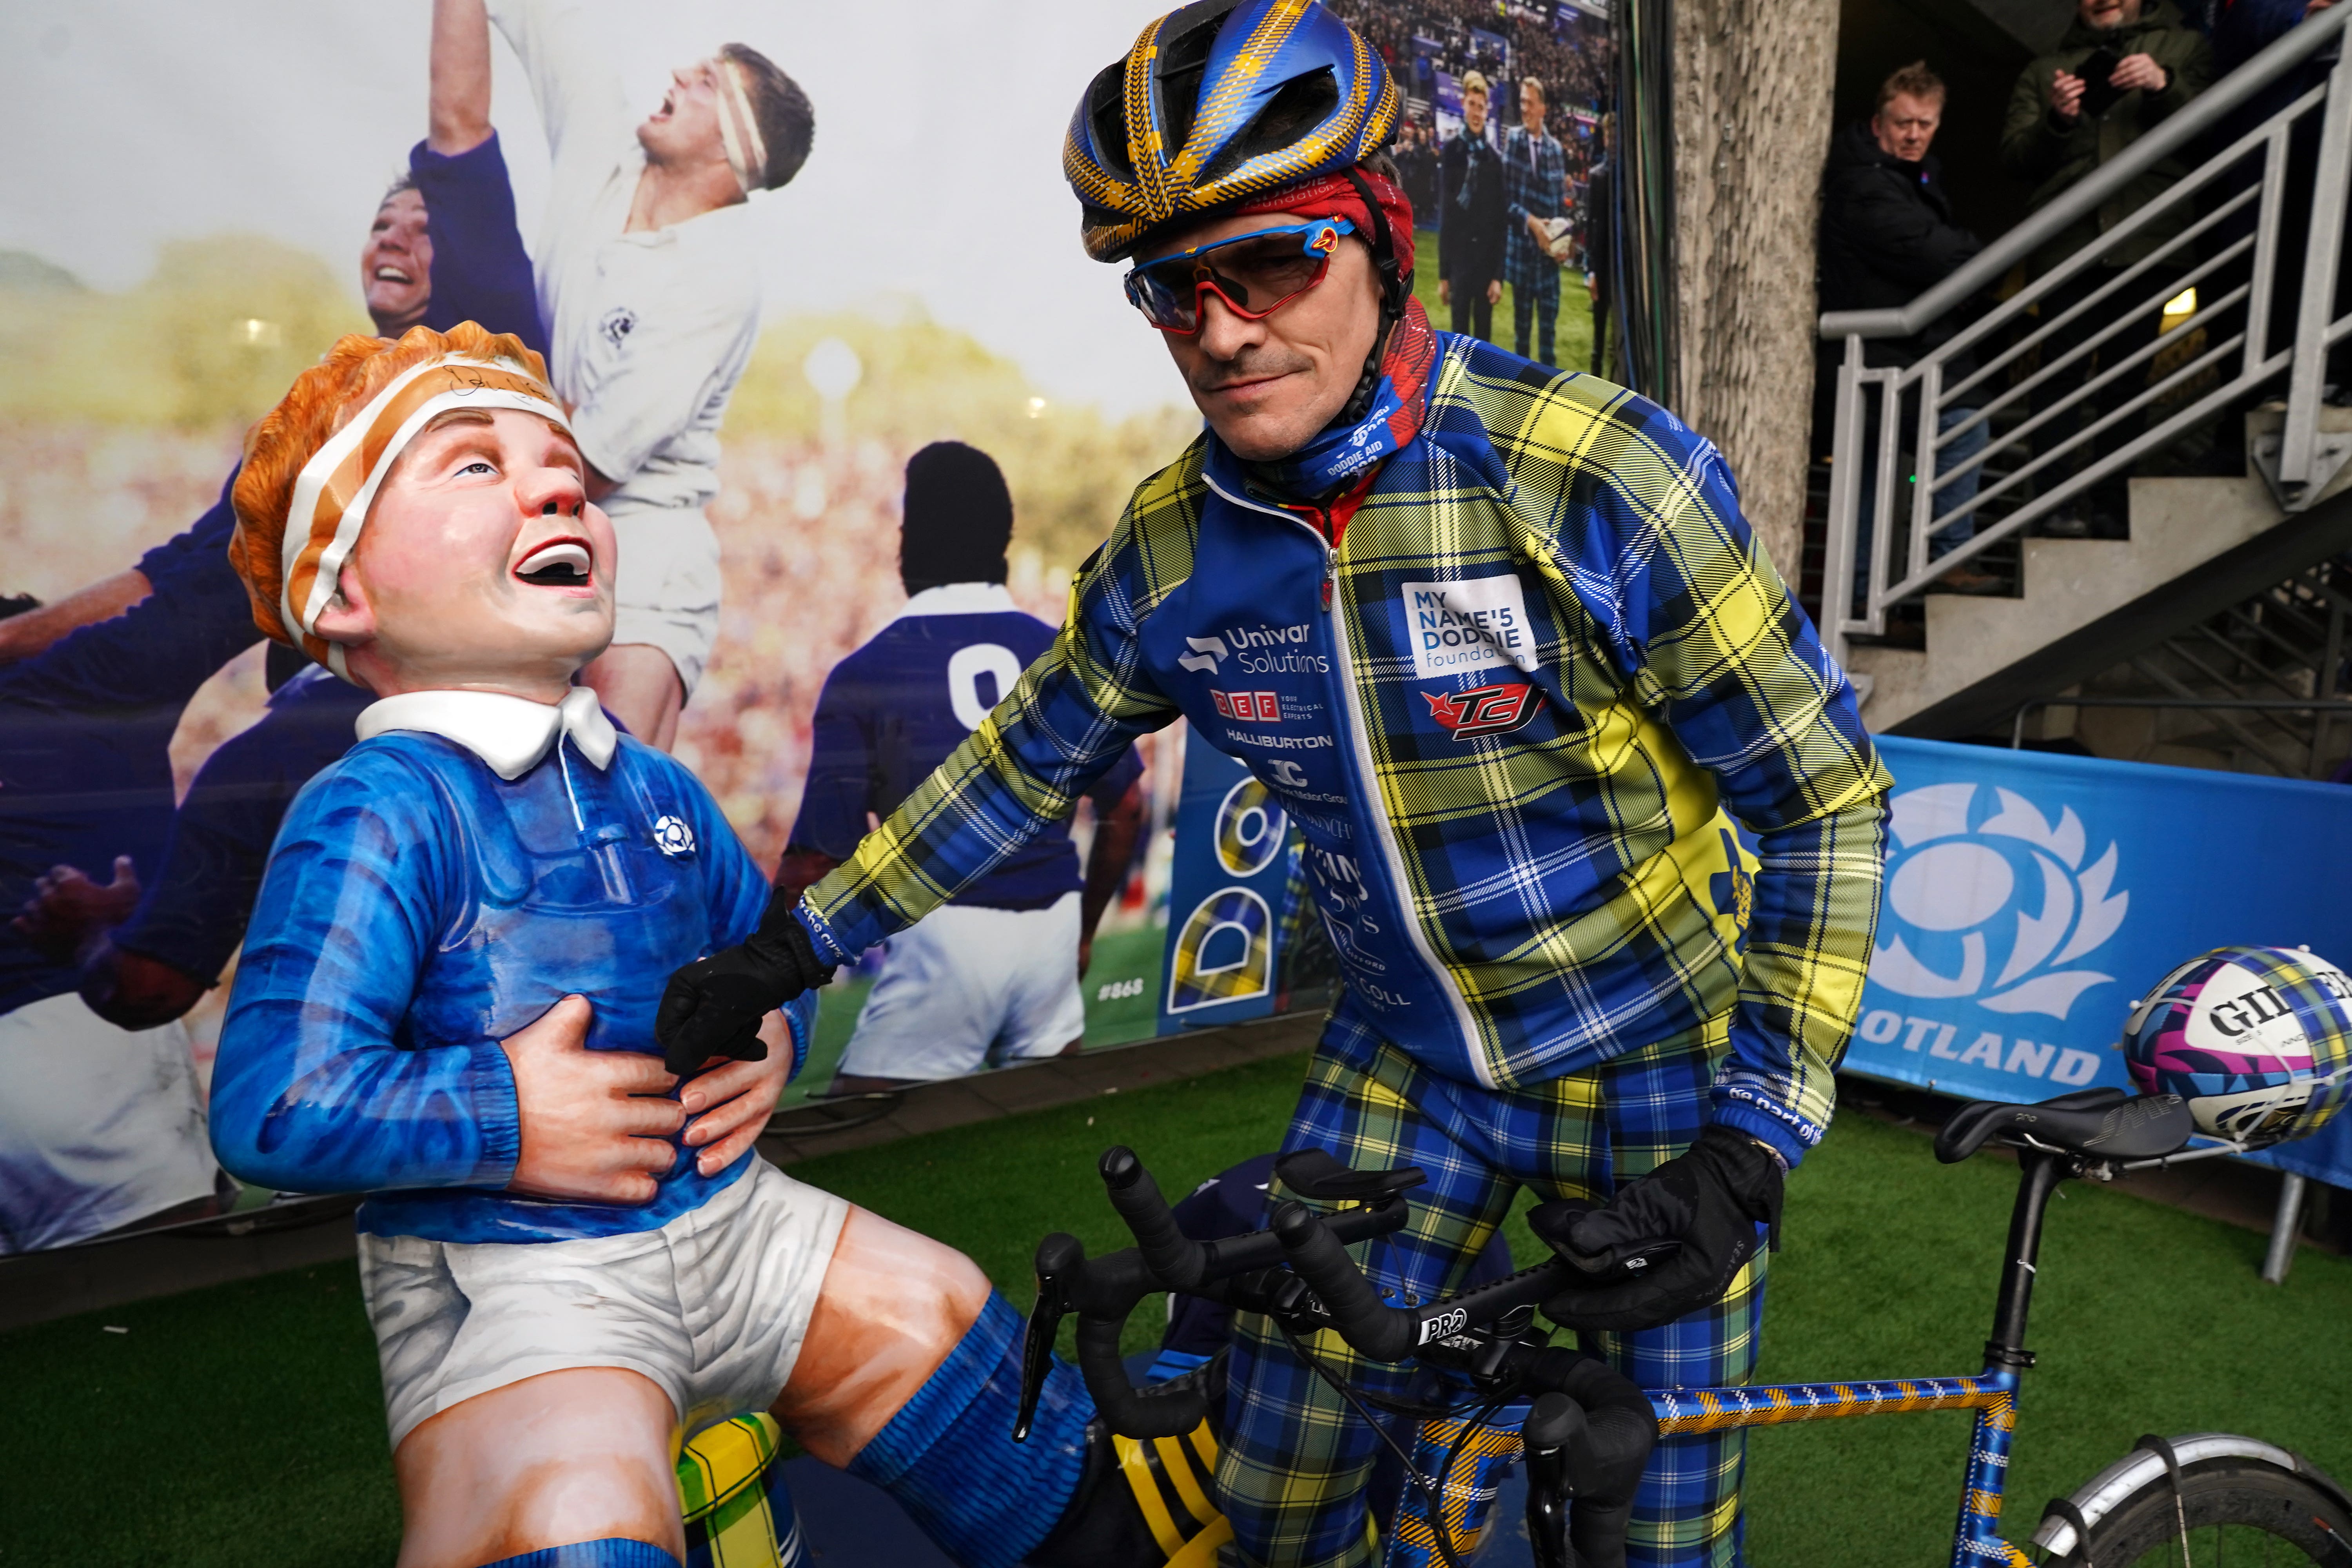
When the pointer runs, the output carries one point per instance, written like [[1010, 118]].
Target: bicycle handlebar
[[1395, 1333], [1104, 1291], [1173, 1257], [1588, 1435]]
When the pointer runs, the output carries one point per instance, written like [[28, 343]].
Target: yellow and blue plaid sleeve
[[1713, 644]]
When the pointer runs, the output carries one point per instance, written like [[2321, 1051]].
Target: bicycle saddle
[[2099, 1123], [1318, 1174]]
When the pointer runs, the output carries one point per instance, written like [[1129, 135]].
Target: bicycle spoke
[[2235, 1544]]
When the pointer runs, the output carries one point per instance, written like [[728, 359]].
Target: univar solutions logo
[[1486, 710], [1987, 899], [1256, 650]]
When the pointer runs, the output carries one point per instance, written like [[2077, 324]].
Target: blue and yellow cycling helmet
[[1216, 103]]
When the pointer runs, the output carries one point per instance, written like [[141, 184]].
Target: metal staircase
[[2075, 393]]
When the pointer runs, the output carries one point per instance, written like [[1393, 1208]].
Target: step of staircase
[[2197, 546]]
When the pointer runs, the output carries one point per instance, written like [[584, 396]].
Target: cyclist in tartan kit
[[1529, 675]]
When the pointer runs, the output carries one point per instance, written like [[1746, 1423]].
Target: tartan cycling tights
[[947, 1455], [1296, 1459]]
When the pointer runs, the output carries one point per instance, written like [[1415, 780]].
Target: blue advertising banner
[[2031, 899], [1226, 893]]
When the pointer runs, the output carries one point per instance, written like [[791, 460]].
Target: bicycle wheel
[[2238, 1512]]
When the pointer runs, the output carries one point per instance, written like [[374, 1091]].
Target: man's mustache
[[1256, 363]]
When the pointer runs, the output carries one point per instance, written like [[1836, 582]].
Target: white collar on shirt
[[961, 599], [510, 734]]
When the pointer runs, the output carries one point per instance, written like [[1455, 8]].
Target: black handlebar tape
[[1554, 1422], [1607, 1459], [1381, 1219], [1383, 1333], [1232, 1255], [1173, 1257], [1157, 1412]]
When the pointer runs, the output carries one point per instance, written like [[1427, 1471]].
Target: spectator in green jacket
[[2162, 63], [2061, 127]]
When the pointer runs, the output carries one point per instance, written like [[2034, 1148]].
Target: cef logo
[[1258, 707], [1485, 709]]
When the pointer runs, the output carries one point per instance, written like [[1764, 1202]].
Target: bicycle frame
[[1991, 1393], [1313, 1249]]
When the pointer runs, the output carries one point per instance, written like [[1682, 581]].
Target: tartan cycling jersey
[[1505, 712]]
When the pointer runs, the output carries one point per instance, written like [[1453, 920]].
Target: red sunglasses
[[1255, 274]]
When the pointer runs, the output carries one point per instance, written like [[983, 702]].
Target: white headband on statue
[[739, 128], [337, 485]]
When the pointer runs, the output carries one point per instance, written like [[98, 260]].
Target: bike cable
[[1428, 1493]]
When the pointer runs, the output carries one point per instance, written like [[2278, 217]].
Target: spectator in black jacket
[[1887, 236], [1416, 164], [1471, 212]]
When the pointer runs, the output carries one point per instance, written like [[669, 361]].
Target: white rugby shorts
[[712, 1306], [967, 988], [98, 1126], [666, 591]]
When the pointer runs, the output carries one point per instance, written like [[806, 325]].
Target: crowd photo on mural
[[607, 611]]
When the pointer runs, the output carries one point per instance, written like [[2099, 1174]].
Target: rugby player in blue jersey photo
[[1588, 809], [992, 980], [569, 1252]]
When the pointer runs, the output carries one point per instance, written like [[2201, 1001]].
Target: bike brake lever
[[1060, 1257], [1553, 1423]]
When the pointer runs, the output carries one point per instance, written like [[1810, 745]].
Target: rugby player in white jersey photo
[[650, 289]]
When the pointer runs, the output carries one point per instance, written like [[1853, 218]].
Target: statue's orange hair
[[322, 399]]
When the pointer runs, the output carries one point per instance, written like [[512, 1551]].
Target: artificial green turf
[[1572, 340], [2144, 1320], [242, 1424]]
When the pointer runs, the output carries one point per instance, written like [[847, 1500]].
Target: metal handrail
[[2062, 458], [2182, 126]]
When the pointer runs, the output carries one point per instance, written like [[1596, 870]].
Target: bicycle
[[2213, 1490]]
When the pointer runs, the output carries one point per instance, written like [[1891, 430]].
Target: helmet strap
[[1394, 289]]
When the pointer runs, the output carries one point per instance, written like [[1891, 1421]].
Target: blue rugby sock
[[948, 1458], [615, 1551]]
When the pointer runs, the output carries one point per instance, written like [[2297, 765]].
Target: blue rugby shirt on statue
[[893, 711], [472, 862]]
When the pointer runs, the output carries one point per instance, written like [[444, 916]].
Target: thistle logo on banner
[[1991, 908], [2033, 899], [1485, 710], [1457, 628], [2004, 913]]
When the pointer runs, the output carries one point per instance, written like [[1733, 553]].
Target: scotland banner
[[2031, 899], [1227, 892]]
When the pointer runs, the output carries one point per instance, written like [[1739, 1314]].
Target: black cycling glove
[[713, 1006], [1669, 1243]]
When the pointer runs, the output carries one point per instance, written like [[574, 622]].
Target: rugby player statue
[[572, 1258]]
